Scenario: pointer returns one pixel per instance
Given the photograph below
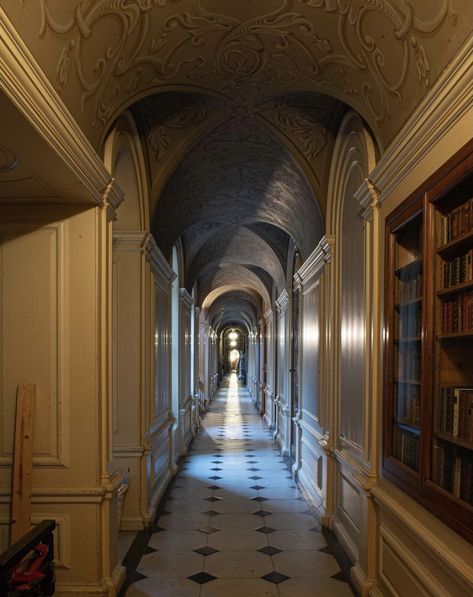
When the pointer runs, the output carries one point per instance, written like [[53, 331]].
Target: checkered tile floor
[[234, 523]]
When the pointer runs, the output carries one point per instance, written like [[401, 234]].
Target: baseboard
[[63, 590], [310, 495], [132, 523], [158, 494], [362, 585], [109, 587], [374, 591], [345, 540]]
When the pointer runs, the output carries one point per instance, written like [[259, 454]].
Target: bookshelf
[[428, 385]]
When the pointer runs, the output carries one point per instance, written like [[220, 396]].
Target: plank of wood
[[23, 461]]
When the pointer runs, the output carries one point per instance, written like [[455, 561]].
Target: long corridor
[[234, 524]]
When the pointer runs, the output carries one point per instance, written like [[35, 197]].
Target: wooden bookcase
[[428, 385]]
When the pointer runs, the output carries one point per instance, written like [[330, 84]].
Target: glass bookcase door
[[408, 271]]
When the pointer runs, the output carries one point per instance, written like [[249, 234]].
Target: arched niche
[[123, 156], [354, 157]]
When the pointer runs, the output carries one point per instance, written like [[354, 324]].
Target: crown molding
[[186, 298], [367, 196], [130, 240], [28, 88], [314, 264], [282, 302], [159, 265], [447, 102]]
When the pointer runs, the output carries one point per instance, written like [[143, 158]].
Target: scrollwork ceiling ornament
[[304, 117], [316, 44], [8, 160], [171, 112]]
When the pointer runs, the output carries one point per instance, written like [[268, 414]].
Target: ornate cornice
[[440, 110], [186, 298], [158, 262], [367, 196], [130, 240], [313, 266], [23, 81], [282, 302]]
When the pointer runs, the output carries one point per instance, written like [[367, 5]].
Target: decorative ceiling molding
[[166, 114], [313, 267], [450, 99], [8, 159], [173, 123], [23, 81], [378, 57]]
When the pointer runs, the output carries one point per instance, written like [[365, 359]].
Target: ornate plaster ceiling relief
[[8, 159], [378, 56]]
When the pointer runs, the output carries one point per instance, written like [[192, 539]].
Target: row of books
[[458, 270], [457, 314], [453, 471], [406, 448], [409, 290], [409, 361], [455, 412], [408, 403], [459, 221]]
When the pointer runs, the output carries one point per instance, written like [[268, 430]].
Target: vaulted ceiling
[[238, 104]]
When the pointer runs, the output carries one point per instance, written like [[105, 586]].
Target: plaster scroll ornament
[[8, 160], [315, 44], [305, 117], [171, 112]]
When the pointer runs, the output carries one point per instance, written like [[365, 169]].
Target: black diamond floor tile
[[265, 530], [208, 530], [215, 477], [214, 487], [149, 550], [342, 576], [262, 513], [206, 550], [135, 577], [216, 469], [255, 477], [275, 577], [326, 549], [253, 469], [257, 487], [269, 550], [213, 499], [259, 499], [202, 577]]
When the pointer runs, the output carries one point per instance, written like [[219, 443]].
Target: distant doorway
[[234, 358]]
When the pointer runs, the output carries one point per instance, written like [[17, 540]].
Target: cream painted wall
[[48, 258]]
